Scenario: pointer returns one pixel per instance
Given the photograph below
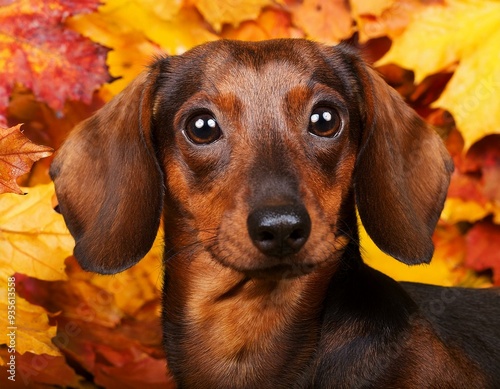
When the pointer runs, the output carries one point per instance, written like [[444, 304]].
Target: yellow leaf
[[446, 267], [464, 34], [34, 239], [473, 94], [370, 7], [230, 11], [182, 33], [27, 328], [137, 31], [458, 210]]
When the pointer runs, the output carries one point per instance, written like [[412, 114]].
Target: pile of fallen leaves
[[61, 60]]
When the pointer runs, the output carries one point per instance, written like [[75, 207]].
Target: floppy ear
[[401, 176], [108, 181]]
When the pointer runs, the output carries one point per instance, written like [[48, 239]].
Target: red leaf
[[38, 51], [477, 176], [37, 371], [136, 370], [483, 248]]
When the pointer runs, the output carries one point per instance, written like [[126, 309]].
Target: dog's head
[[254, 151]]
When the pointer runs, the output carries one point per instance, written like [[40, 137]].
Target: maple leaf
[[136, 30], [17, 155], [270, 24], [230, 11], [379, 18], [324, 20], [439, 38], [38, 51], [34, 239], [483, 248], [474, 190]]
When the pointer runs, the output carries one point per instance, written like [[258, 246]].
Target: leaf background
[[77, 329]]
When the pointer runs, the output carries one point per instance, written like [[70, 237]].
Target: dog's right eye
[[203, 129], [325, 122]]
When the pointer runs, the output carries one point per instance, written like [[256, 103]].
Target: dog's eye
[[324, 122], [203, 129]]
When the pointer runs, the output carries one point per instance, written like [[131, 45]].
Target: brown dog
[[258, 154]]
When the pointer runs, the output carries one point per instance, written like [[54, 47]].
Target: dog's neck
[[221, 325]]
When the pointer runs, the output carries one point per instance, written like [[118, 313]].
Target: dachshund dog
[[258, 156]]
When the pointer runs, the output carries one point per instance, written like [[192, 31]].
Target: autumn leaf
[[38, 51], [95, 334], [272, 23], [33, 238], [446, 267], [371, 7], [137, 32], [38, 371], [130, 370], [380, 18], [17, 155], [474, 190], [440, 38], [324, 20], [29, 325], [139, 284], [232, 12], [483, 248]]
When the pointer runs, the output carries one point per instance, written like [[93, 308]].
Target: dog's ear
[[401, 176], [108, 181]]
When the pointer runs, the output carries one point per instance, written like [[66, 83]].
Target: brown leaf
[[17, 155]]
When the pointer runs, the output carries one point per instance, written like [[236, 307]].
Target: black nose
[[279, 230]]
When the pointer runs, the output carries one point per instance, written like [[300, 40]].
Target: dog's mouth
[[280, 271], [274, 270]]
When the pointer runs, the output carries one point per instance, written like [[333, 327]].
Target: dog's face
[[255, 152], [259, 155]]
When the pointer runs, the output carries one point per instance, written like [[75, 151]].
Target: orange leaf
[[17, 155], [38, 51], [328, 21], [271, 23], [483, 248], [233, 12]]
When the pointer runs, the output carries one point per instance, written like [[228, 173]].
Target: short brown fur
[[264, 283]]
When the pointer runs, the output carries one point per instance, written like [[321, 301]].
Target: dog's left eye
[[324, 122], [203, 129]]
